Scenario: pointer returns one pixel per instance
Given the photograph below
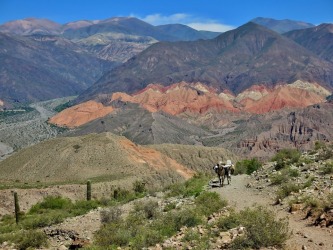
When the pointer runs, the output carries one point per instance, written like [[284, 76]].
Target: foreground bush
[[208, 203], [26, 239], [262, 229], [51, 210], [147, 225]]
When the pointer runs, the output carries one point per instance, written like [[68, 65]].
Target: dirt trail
[[304, 236]]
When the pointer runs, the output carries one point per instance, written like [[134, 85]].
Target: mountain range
[[44, 60], [186, 92], [233, 61], [282, 26]]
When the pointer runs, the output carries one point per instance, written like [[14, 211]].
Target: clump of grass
[[262, 228], [139, 187], [112, 214], [148, 208], [247, 166], [286, 189], [26, 239], [285, 157], [170, 206], [51, 210], [284, 175], [213, 199], [192, 187], [146, 225], [327, 168]]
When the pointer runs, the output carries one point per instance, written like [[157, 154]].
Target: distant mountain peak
[[281, 26]]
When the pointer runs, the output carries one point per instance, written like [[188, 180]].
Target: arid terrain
[[127, 163]]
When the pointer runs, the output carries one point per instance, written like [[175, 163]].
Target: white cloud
[[158, 19], [217, 27], [197, 23]]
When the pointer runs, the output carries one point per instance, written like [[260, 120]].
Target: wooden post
[[17, 208], [88, 190]]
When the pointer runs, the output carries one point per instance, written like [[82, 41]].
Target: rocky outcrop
[[81, 114], [290, 128]]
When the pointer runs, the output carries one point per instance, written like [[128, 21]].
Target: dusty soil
[[304, 235]]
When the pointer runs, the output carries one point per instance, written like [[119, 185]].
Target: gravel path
[[304, 236]]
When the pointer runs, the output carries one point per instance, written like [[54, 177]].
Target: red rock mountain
[[199, 99]]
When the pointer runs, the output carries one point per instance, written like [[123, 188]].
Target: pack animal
[[224, 171]]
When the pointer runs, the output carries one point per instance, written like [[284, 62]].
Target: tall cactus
[[88, 190], [17, 208]]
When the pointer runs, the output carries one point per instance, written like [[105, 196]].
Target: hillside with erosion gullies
[[257, 122], [103, 156], [318, 39], [39, 68]]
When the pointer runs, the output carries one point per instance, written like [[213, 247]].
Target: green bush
[[42, 220], [147, 237], [170, 206], [112, 214], [229, 222], [50, 202], [124, 195], [113, 234], [26, 239], [286, 189], [139, 187], [148, 208], [192, 187], [278, 178], [247, 166], [31, 239], [284, 176], [327, 168], [286, 157], [213, 199], [262, 229]]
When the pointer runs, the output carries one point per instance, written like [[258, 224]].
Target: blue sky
[[216, 15]]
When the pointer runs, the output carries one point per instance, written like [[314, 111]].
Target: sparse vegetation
[[262, 228], [50, 211], [286, 189], [26, 239], [63, 106], [283, 176], [194, 186], [19, 110], [327, 168], [159, 224], [247, 166], [286, 157]]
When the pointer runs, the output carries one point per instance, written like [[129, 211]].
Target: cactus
[[115, 194], [17, 208], [88, 190]]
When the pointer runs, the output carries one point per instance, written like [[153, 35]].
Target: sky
[[214, 15]]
